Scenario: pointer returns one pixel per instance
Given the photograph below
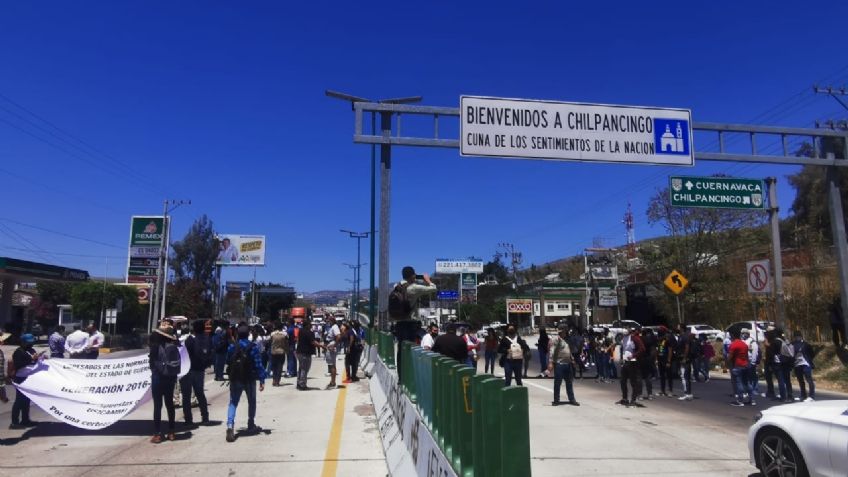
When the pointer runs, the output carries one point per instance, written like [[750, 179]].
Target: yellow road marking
[[331, 457]]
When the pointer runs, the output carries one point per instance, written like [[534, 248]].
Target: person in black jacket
[[199, 348], [24, 356], [163, 379], [451, 345], [512, 347]]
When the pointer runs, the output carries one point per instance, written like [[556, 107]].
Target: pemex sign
[[716, 192]]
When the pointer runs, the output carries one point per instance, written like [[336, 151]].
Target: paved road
[[706, 436], [314, 433]]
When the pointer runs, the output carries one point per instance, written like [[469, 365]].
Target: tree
[[497, 269], [811, 207], [193, 262], [89, 299], [50, 294]]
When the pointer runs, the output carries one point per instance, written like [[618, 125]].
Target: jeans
[[803, 373], [667, 374], [769, 371], [194, 381], [304, 362], [564, 372], [753, 379], [277, 361], [355, 356], [236, 389], [686, 375], [601, 364], [513, 366], [648, 374], [292, 366], [543, 360], [220, 363], [490, 361], [611, 367], [630, 372], [741, 382], [162, 388], [784, 380], [20, 408]]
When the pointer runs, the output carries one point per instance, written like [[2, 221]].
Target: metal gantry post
[[372, 295], [837, 224], [780, 307], [385, 210]]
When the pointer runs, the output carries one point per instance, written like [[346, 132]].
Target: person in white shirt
[[95, 341], [76, 344], [753, 361], [228, 253], [332, 338], [430, 337]]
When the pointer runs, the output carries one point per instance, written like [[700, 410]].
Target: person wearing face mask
[[512, 347], [430, 337]]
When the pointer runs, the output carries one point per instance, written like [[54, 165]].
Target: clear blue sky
[[223, 103]]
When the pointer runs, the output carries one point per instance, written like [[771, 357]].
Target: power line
[[60, 191], [33, 248], [63, 234]]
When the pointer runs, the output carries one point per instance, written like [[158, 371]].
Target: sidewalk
[[311, 433]]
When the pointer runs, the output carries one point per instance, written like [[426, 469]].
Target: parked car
[[801, 439], [704, 330], [758, 331], [616, 327]]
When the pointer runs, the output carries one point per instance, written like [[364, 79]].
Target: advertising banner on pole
[[241, 250], [519, 305], [468, 281], [91, 394], [607, 298], [144, 248], [444, 265], [533, 129]]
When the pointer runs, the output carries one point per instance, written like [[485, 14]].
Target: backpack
[[240, 364], [168, 360], [514, 351], [695, 350], [203, 350], [399, 304]]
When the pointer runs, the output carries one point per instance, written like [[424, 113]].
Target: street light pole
[[160, 290], [358, 236]]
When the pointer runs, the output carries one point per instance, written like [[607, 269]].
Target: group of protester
[[247, 356]]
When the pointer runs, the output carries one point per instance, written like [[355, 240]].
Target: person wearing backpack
[[512, 347], [803, 366], [687, 350], [199, 348], [561, 365], [784, 360], [244, 368], [403, 307], [164, 359], [220, 344]]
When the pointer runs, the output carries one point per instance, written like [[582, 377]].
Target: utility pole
[[780, 307], [160, 287], [358, 236], [834, 196], [515, 259]]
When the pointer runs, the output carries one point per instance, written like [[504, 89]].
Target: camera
[[419, 277]]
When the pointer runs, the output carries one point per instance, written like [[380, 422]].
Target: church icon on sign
[[671, 136]]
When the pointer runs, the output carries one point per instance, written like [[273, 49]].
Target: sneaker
[[253, 428], [330, 386], [347, 381], [16, 426], [156, 439], [809, 399], [686, 397], [574, 403], [231, 435], [556, 403], [623, 402], [171, 436], [737, 404]]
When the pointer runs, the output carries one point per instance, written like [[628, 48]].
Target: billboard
[[241, 250], [145, 247], [519, 305], [532, 129], [444, 265], [468, 281]]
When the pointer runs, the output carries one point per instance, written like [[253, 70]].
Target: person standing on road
[[293, 331], [244, 368], [666, 344], [543, 344], [404, 302], [451, 345], [737, 363], [76, 344], [707, 355], [24, 356], [332, 337], [220, 344], [562, 366], [199, 348], [769, 365], [95, 341], [803, 366], [512, 346], [279, 348], [306, 345], [471, 345], [648, 364], [601, 359], [429, 338], [784, 363], [687, 350], [491, 350], [356, 348], [56, 342], [632, 352], [164, 357], [753, 361]]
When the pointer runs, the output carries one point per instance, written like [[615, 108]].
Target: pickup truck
[[615, 328]]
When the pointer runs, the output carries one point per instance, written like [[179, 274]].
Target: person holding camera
[[403, 307]]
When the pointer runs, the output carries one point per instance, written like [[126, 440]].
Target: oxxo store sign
[[716, 192], [520, 128]]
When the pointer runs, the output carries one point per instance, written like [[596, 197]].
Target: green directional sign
[[717, 192]]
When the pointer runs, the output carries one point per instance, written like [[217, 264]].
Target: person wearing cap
[[561, 364], [23, 357], [632, 352], [3, 398], [163, 378], [753, 361]]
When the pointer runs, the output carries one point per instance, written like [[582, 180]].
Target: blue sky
[[223, 103]]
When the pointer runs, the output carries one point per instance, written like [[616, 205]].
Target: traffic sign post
[[716, 192], [758, 277], [676, 282]]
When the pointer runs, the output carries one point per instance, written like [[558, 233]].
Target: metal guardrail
[[482, 427]]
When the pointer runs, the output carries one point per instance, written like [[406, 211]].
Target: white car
[[801, 439], [705, 330]]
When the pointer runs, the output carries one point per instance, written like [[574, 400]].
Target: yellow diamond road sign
[[676, 282]]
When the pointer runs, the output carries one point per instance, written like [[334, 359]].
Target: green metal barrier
[[482, 427]]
